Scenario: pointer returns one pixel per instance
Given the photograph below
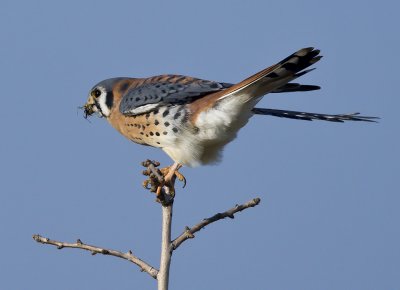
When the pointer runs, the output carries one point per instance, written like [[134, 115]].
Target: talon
[[158, 192], [164, 171], [168, 175], [145, 184], [180, 178]]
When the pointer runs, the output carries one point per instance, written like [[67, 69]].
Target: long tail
[[276, 77], [314, 116], [295, 87]]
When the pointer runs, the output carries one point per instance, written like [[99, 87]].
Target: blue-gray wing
[[157, 91]]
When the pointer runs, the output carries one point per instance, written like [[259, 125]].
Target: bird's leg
[[158, 178], [170, 173]]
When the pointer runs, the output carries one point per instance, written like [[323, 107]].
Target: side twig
[[97, 250], [189, 232]]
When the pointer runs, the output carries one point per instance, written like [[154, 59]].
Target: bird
[[192, 119]]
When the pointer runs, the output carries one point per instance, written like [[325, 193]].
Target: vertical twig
[[165, 195], [166, 250]]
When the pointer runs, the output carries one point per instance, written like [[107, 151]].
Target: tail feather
[[275, 77], [314, 116], [295, 87]]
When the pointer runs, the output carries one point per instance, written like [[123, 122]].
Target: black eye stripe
[[103, 99], [98, 107], [109, 100]]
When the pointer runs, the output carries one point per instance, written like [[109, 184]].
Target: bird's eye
[[96, 93]]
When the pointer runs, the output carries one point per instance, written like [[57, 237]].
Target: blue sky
[[329, 216]]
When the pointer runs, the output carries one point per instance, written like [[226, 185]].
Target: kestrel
[[193, 119]]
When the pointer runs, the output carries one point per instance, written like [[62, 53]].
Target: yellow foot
[[170, 173], [157, 178], [180, 178]]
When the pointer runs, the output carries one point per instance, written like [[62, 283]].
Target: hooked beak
[[90, 107]]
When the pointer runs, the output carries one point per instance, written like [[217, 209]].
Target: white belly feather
[[216, 127]]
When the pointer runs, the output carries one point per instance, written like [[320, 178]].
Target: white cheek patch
[[102, 103]]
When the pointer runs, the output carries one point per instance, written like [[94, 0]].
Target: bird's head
[[102, 97]]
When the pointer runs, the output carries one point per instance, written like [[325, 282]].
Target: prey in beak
[[99, 101], [90, 107]]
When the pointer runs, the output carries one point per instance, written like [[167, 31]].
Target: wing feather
[[166, 90]]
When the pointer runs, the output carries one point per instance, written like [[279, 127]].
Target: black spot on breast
[[156, 122], [141, 133], [166, 112], [155, 112], [177, 115], [165, 133], [185, 118], [166, 124], [157, 134], [147, 115], [151, 133], [143, 127], [175, 129], [158, 142]]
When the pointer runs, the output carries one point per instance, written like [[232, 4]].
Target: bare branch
[[161, 182], [189, 232], [152, 169], [166, 249], [97, 250]]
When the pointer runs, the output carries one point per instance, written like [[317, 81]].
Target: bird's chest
[[162, 127]]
